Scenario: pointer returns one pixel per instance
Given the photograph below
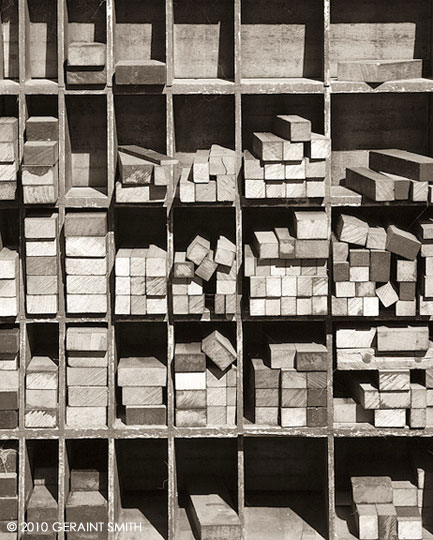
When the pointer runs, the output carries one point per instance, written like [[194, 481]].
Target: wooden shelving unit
[[231, 66]]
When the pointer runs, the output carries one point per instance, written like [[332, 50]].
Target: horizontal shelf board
[[367, 430], [409, 86], [282, 86], [260, 431], [203, 86]]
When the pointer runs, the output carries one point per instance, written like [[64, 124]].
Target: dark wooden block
[[316, 397], [380, 266], [188, 357], [8, 400], [140, 72], [146, 416], [9, 340], [8, 508], [316, 417], [42, 128], [8, 419], [86, 77], [406, 164]]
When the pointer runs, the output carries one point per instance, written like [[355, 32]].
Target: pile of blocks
[[210, 178], [87, 376], [85, 63], [42, 505], [8, 486], [9, 158], [86, 262], [289, 389], [288, 273], [205, 382], [144, 175], [393, 175], [40, 172], [87, 500], [143, 381], [290, 163], [389, 375], [42, 391], [386, 509], [40, 234], [9, 282], [372, 267], [9, 377], [200, 263], [425, 235], [141, 282]]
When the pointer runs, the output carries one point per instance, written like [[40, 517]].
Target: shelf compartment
[[282, 40], [86, 149], [41, 40], [146, 403], [203, 40], [9, 477], [285, 488], [140, 488], [9, 42], [212, 463]]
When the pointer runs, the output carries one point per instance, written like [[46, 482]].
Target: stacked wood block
[[86, 63], [42, 390], [141, 72], [42, 506], [40, 173], [392, 175], [210, 512], [8, 486], [40, 232], [87, 376], [144, 175], [141, 282], [379, 70], [425, 235], [289, 163], [386, 509], [373, 267], [205, 382], [87, 503], [289, 388], [9, 159], [389, 375], [143, 381], [9, 282], [288, 272], [198, 264], [86, 262], [210, 178], [9, 377]]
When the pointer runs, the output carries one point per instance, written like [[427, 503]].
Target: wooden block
[[86, 417], [190, 381], [135, 395], [275, 190], [42, 153], [200, 167], [410, 338], [387, 295], [347, 338], [41, 399], [296, 189], [191, 417], [89, 376], [387, 520], [81, 303], [190, 399], [359, 274], [141, 371], [266, 397], [85, 338], [379, 71], [8, 129], [418, 396], [293, 128], [8, 419], [268, 146], [274, 170], [376, 238], [390, 418], [407, 291], [254, 189], [8, 190], [293, 151], [309, 249], [8, 172], [296, 170], [390, 381], [148, 154], [39, 194], [8, 508], [292, 397], [80, 246], [197, 249], [86, 54], [206, 192], [8, 484], [133, 170], [409, 524], [317, 417], [207, 267], [352, 230], [282, 355], [42, 128], [380, 266], [373, 185], [315, 169], [394, 400], [400, 162], [293, 417], [319, 147], [219, 349], [42, 418], [87, 359], [402, 243], [264, 376], [40, 227], [146, 415], [253, 170], [88, 480], [226, 187], [371, 489], [88, 396], [315, 189], [311, 357], [404, 493], [140, 72], [311, 225], [8, 400], [83, 267], [8, 152]]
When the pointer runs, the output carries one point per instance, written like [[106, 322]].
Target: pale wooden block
[[226, 187], [8, 264], [41, 399], [142, 372], [156, 306], [288, 306], [376, 238], [319, 147], [405, 308], [293, 151], [266, 416], [274, 171], [418, 396], [395, 400], [88, 417], [89, 54], [85, 284], [367, 521], [138, 305], [295, 170], [90, 359], [86, 303], [122, 286], [216, 397], [390, 380], [122, 305], [345, 289], [86, 338], [46, 248], [257, 307], [40, 227], [190, 381], [409, 338], [46, 304], [272, 306], [315, 168], [367, 289], [268, 146], [406, 270], [319, 305], [200, 167], [89, 376], [311, 225], [293, 417], [275, 189], [206, 192], [404, 493], [315, 189], [122, 267], [40, 418], [390, 418], [359, 274], [81, 246], [9, 365], [355, 307], [304, 306], [417, 418], [40, 194], [348, 338], [186, 186], [8, 288], [252, 167], [254, 188], [296, 189], [136, 395], [352, 230], [136, 194], [409, 523], [88, 396], [197, 249], [86, 267], [9, 380], [387, 295]]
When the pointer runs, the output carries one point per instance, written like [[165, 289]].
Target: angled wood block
[[379, 71], [402, 243], [400, 162], [387, 295], [352, 230], [219, 349]]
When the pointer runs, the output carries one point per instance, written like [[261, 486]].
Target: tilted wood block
[[197, 249], [387, 295], [402, 243], [352, 230], [219, 349], [379, 71]]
